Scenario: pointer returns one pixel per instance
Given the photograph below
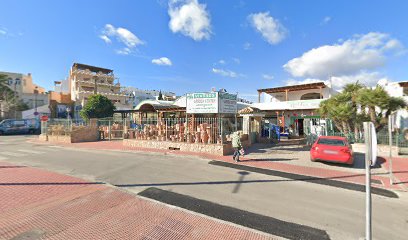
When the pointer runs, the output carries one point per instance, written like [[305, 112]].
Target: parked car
[[332, 149], [23, 126]]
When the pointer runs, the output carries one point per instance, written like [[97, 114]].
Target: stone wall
[[214, 149], [59, 139], [78, 134], [84, 134]]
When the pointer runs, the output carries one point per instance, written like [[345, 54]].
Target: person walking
[[237, 145]]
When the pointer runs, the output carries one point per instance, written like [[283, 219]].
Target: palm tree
[[379, 104], [352, 90]]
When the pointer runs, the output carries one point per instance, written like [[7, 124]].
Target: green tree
[[98, 106], [160, 96], [6, 93], [20, 106], [340, 110], [357, 104], [379, 104]]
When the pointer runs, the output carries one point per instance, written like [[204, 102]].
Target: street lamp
[[35, 100], [15, 97], [68, 111]]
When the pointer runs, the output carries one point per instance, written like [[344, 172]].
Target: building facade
[[26, 90], [137, 95], [86, 80], [293, 108]]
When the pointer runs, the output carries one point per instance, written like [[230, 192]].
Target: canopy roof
[[308, 86], [81, 66]]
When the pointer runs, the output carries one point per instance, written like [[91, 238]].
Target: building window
[[310, 96], [405, 89]]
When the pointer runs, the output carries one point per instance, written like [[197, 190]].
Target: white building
[[289, 106], [138, 95], [398, 89]]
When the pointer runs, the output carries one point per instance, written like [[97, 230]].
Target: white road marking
[[47, 149], [13, 154], [30, 151]]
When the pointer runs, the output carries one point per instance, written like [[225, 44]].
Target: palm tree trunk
[[373, 117], [344, 125]]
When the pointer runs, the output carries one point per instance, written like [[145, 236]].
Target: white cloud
[[222, 61], [338, 82], [123, 51], [326, 20], [3, 32], [271, 29], [267, 76], [236, 60], [122, 35], [247, 46], [162, 61], [190, 18], [226, 73], [361, 52], [105, 38]]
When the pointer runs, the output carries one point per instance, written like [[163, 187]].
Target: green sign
[[211, 102]]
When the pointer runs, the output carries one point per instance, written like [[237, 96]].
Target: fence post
[[110, 130], [390, 143], [166, 129]]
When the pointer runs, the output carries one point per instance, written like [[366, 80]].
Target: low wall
[[78, 134], [383, 150], [59, 139], [85, 134], [214, 149]]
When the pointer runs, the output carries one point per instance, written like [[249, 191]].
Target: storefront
[[294, 108]]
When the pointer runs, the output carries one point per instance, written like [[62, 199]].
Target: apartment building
[[26, 90], [86, 80]]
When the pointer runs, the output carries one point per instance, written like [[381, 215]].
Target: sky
[[193, 45]]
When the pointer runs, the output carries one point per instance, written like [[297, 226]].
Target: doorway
[[300, 127]]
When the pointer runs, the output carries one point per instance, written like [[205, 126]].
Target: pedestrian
[[237, 145]]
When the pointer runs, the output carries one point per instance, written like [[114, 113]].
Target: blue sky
[[189, 45]]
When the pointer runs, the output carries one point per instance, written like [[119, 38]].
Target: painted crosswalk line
[[13, 154], [30, 151]]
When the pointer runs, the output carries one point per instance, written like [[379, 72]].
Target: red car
[[332, 149]]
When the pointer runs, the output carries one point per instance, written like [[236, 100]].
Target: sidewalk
[[400, 166], [38, 204]]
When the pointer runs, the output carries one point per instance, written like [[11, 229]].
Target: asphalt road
[[338, 211]]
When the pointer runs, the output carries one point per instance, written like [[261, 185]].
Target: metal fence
[[58, 126], [191, 130], [398, 139], [110, 128]]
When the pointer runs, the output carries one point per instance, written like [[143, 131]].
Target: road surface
[[338, 211]]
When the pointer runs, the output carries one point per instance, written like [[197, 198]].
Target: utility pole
[[368, 159], [15, 99], [35, 100]]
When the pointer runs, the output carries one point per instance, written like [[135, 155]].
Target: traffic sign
[[35, 113], [44, 118]]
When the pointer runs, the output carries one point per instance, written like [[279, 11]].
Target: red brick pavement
[[399, 169], [400, 166], [63, 207]]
